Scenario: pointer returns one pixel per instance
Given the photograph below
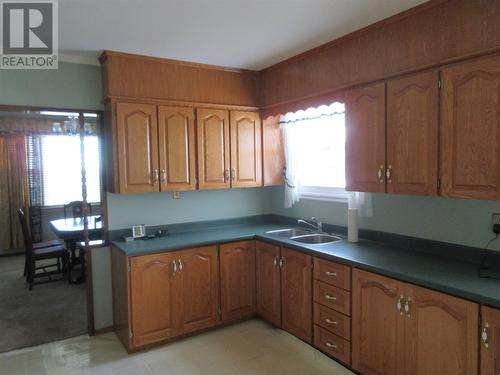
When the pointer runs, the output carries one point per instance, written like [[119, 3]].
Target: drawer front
[[332, 297], [332, 345], [332, 273], [332, 321]]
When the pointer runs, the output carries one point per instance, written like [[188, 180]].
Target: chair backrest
[[28, 243], [76, 209]]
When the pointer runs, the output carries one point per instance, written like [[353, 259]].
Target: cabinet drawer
[[332, 273], [332, 321], [332, 345], [332, 297]]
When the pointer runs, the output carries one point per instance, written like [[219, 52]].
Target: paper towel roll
[[352, 224]]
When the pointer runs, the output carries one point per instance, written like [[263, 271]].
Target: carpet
[[49, 312]]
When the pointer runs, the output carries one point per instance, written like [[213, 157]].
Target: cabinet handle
[[399, 304], [163, 176], [226, 175], [329, 321], [380, 174], [408, 307], [281, 263], [180, 265], [484, 335], [155, 176], [174, 266], [330, 273], [388, 174], [331, 298], [233, 174], [331, 345]]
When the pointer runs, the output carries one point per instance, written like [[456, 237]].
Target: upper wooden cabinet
[[470, 129], [273, 151], [237, 279], [268, 282], [176, 130], [365, 139], [246, 149], [490, 341], [399, 328], [412, 134], [213, 149], [137, 146]]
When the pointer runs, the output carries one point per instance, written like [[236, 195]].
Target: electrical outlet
[[496, 219], [176, 195]]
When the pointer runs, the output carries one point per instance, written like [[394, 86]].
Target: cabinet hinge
[[130, 334], [440, 83]]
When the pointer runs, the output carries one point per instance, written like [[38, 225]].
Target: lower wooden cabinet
[[490, 341], [296, 293], [284, 289], [399, 328], [237, 279], [268, 282]]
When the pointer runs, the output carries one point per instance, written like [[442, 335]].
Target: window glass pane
[[61, 166]]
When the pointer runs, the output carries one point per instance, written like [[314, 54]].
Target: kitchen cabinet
[[268, 282], [296, 293], [213, 149], [284, 289], [490, 341], [365, 139], [413, 134], [399, 328], [137, 148], [176, 131], [246, 149], [237, 279], [273, 151], [198, 285], [153, 316], [470, 129]]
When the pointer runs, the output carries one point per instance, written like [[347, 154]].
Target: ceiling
[[251, 34]]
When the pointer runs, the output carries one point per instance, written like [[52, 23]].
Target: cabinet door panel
[[365, 139], [470, 132], [490, 343], [213, 149], [268, 282], [377, 331], [237, 273], [296, 294], [137, 133], [412, 134], [176, 148], [198, 285], [152, 298], [441, 334], [246, 149], [273, 153]]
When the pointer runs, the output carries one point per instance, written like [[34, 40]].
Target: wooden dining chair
[[35, 253], [76, 208]]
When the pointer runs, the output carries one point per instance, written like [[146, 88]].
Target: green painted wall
[[76, 86], [460, 221]]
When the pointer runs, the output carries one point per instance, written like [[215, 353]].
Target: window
[[316, 146], [61, 168]]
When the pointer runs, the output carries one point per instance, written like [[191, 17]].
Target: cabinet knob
[[226, 175], [163, 176], [388, 174], [399, 304], [233, 174], [281, 262], [484, 335], [407, 307], [180, 265], [380, 174], [174, 266], [155, 175]]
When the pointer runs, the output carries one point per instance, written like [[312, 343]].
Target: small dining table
[[70, 230]]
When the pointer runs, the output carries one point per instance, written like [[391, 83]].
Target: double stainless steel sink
[[304, 236]]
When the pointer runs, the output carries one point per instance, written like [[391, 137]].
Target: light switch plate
[[177, 195]]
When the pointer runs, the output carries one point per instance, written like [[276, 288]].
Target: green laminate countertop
[[440, 273]]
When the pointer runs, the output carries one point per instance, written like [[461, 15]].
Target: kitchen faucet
[[313, 223]]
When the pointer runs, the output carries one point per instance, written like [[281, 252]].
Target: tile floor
[[248, 348]]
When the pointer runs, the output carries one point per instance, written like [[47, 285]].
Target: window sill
[[338, 195], [325, 198]]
